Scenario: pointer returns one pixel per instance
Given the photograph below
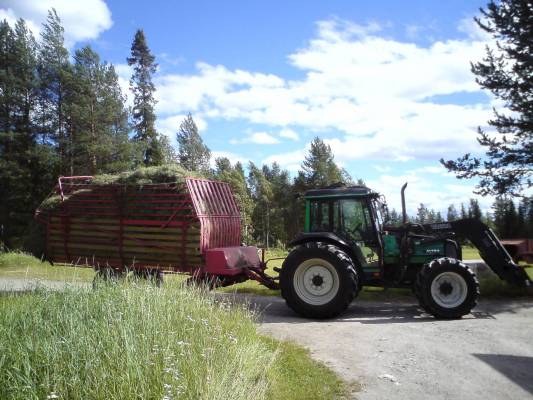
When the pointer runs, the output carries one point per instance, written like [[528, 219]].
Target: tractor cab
[[352, 216]]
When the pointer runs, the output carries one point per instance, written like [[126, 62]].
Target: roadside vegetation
[[135, 341]]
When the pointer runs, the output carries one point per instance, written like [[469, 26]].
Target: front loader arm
[[489, 246]]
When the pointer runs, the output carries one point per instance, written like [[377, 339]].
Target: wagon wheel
[[209, 282], [153, 276], [106, 275]]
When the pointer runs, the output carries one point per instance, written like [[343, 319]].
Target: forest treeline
[[65, 114]]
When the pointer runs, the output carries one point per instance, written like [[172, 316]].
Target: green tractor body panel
[[420, 253], [425, 252], [391, 252]]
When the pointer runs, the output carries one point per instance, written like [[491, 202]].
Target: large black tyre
[[447, 288], [318, 280]]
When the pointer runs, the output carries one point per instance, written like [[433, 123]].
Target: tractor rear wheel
[[318, 280], [447, 288]]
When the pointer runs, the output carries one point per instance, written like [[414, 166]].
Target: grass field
[[20, 265], [470, 253], [132, 340]]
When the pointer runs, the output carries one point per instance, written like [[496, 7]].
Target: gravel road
[[395, 351]]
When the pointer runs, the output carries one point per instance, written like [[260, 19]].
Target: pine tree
[[510, 222], [422, 214], [234, 175], [319, 168], [451, 214], [393, 218], [280, 207], [26, 166], [53, 71], [464, 214], [500, 209], [193, 154], [119, 149], [143, 89], [473, 210], [507, 72], [97, 116], [521, 222], [261, 192], [529, 218]]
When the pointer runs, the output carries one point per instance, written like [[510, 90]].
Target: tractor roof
[[341, 191]]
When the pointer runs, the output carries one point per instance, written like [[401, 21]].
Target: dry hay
[[171, 173]]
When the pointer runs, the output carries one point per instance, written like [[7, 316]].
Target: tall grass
[[128, 341], [135, 341]]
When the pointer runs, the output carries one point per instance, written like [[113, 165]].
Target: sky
[[386, 84]]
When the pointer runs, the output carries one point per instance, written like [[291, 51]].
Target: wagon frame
[[192, 227]]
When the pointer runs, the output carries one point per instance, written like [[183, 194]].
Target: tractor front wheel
[[318, 280], [447, 288]]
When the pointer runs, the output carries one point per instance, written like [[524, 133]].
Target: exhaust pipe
[[404, 211]]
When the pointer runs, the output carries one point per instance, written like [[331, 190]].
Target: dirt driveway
[[396, 352]]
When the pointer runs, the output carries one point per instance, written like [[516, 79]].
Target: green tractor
[[345, 246]]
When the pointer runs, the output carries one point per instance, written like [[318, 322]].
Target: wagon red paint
[[191, 227], [519, 249]]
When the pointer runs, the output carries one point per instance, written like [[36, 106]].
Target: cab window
[[353, 220], [349, 218], [319, 214]]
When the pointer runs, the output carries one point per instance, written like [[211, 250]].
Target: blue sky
[[387, 84]]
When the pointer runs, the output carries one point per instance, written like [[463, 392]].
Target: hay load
[[137, 178], [138, 219]]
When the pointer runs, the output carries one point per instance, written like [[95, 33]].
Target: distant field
[[19, 265], [470, 253]]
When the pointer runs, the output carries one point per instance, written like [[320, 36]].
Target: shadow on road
[[518, 369], [274, 310]]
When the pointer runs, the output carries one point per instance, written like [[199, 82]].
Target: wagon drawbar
[[191, 227]]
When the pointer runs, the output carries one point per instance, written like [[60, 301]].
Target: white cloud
[[11, 18], [374, 91], [290, 161], [169, 125], [289, 134], [257, 138], [382, 168], [234, 158], [423, 189], [472, 29], [82, 20]]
